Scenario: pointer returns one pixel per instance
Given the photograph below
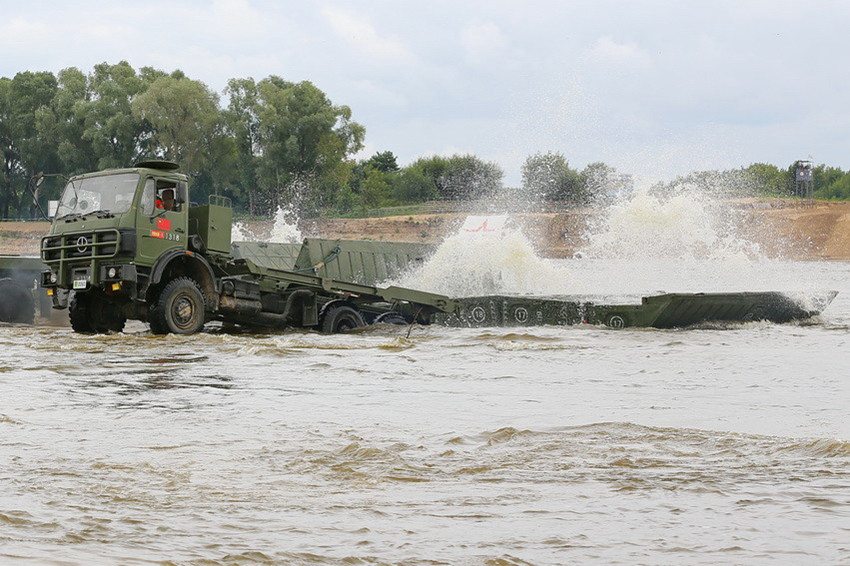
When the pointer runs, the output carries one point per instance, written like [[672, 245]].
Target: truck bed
[[359, 261]]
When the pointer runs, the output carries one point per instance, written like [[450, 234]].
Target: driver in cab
[[165, 200]]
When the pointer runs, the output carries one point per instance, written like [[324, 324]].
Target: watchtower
[[804, 182]]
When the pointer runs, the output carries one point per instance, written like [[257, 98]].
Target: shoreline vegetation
[[783, 229], [277, 143]]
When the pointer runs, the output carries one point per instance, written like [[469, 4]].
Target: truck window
[[147, 198], [167, 197], [107, 193], [182, 193]]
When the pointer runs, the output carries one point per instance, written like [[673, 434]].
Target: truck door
[[163, 220]]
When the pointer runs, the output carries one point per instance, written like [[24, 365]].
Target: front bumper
[[117, 278]]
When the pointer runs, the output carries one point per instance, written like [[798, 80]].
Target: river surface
[[721, 444]]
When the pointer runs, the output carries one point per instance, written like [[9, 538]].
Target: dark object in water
[[670, 310]]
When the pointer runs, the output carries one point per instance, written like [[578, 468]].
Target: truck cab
[[118, 237]]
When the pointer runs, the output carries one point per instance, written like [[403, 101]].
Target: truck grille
[[81, 245]]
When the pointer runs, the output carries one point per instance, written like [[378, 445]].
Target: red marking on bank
[[482, 228]]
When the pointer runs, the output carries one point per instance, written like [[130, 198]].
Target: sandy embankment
[[780, 228]]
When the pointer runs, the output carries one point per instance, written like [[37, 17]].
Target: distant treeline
[[272, 142], [766, 180]]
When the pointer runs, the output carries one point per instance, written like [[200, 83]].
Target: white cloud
[[482, 42], [361, 33], [380, 95], [601, 80], [606, 50], [21, 31]]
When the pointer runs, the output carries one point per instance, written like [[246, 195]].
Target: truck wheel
[[93, 313], [107, 317], [392, 318], [341, 318], [179, 308], [16, 302], [78, 313]]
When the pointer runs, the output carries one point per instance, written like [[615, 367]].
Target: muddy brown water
[[453, 446]]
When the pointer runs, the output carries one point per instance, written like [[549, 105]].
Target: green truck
[[128, 244]]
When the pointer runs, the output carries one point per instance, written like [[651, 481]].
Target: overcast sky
[[653, 88]]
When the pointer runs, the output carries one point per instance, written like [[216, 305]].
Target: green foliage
[[413, 185], [548, 176], [24, 153], [277, 142], [116, 135], [243, 124], [186, 126], [305, 142], [375, 188], [599, 182], [384, 161], [764, 179], [378, 182], [831, 183], [460, 177], [184, 120]]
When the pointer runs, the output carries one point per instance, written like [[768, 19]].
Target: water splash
[[239, 232], [641, 244], [687, 225], [471, 263], [687, 240], [284, 229]]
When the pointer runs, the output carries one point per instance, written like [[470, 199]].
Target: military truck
[[128, 244]]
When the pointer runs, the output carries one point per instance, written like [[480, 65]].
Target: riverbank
[[780, 228]]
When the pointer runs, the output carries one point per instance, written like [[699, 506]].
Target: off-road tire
[[341, 318], [180, 308], [16, 302], [93, 312], [78, 314], [391, 318]]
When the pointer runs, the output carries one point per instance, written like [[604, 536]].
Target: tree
[[187, 127], [831, 183], [548, 176], [412, 185], [305, 141], [375, 188], [598, 181], [24, 154], [766, 179], [184, 118], [460, 177], [384, 161], [243, 122], [62, 123], [115, 133]]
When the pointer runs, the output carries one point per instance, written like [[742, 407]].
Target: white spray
[[488, 256], [686, 241], [284, 229], [642, 244]]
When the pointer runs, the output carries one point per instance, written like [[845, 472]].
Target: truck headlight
[[112, 272], [53, 277]]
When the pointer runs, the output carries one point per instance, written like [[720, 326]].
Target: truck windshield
[[107, 193]]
